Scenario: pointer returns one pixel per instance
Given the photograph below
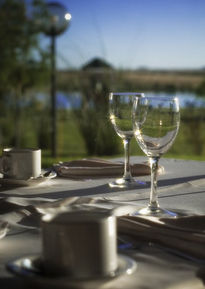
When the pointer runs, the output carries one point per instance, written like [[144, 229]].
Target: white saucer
[[30, 182], [31, 269]]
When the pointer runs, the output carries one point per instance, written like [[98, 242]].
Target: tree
[[92, 117], [23, 63]]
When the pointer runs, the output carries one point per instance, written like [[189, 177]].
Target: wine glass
[[120, 112], [155, 124]]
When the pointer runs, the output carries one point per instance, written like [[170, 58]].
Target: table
[[182, 187]]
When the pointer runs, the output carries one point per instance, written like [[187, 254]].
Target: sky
[[132, 34]]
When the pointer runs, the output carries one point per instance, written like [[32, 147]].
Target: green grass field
[[188, 145]]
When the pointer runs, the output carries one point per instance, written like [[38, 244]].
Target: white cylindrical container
[[81, 244]]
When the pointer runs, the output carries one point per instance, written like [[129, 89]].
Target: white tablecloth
[[181, 187]]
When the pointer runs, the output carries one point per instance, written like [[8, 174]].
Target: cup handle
[[4, 164]]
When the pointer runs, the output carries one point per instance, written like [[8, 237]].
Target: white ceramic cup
[[81, 244], [21, 164]]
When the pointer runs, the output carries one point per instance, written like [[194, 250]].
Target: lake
[[186, 99], [73, 100]]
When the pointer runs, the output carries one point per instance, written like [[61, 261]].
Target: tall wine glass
[[155, 124], [120, 112]]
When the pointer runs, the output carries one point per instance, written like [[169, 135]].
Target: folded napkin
[[98, 168], [183, 234], [27, 212], [4, 227]]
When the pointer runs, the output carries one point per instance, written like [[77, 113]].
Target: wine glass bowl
[[120, 113], [155, 124]]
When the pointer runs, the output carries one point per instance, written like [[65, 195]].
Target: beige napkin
[[185, 234], [27, 212], [4, 228], [97, 168]]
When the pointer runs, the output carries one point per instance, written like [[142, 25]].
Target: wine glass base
[[157, 212], [126, 183]]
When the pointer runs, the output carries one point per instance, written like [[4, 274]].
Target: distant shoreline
[[146, 80]]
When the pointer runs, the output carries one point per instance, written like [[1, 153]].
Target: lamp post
[[57, 21]]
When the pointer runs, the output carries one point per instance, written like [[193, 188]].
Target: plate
[[30, 268], [30, 182]]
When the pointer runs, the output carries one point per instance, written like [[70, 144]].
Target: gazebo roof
[[97, 63]]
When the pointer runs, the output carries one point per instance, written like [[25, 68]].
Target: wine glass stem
[[127, 173], [153, 203]]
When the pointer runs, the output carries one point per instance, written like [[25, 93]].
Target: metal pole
[[53, 98]]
